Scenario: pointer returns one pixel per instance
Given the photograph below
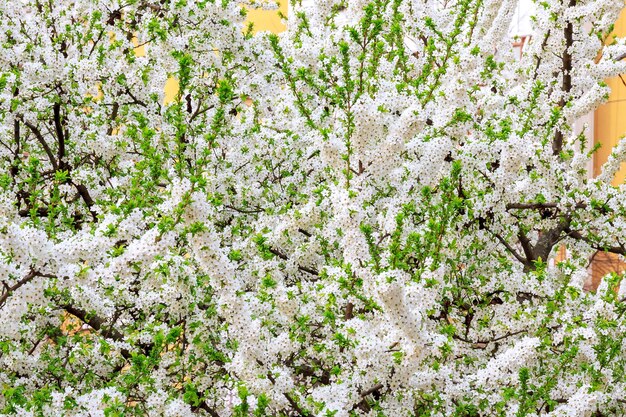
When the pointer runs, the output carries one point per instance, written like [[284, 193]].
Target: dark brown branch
[[84, 194], [98, 324], [618, 250], [43, 143], [544, 44], [114, 111], [40, 212], [362, 404], [289, 398], [510, 249], [371, 390], [526, 246], [482, 344], [135, 99], [294, 405], [58, 126], [204, 406], [285, 258], [347, 315], [548, 239], [566, 85], [3, 298], [242, 210], [94, 44], [538, 206], [304, 232], [199, 111], [16, 136], [34, 346]]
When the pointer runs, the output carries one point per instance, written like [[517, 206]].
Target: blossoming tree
[[321, 223]]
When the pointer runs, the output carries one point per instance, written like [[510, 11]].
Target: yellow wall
[[268, 20], [609, 127], [610, 118], [263, 20]]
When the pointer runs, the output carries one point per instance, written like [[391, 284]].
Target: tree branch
[[97, 323], [3, 298], [43, 143], [539, 206], [84, 194], [58, 126], [566, 85], [510, 248], [526, 246], [549, 238], [618, 250], [285, 258], [371, 390], [114, 111]]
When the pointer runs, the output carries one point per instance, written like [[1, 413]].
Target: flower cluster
[[361, 216]]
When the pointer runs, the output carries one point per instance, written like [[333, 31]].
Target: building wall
[[610, 118], [263, 20], [609, 128], [268, 20]]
